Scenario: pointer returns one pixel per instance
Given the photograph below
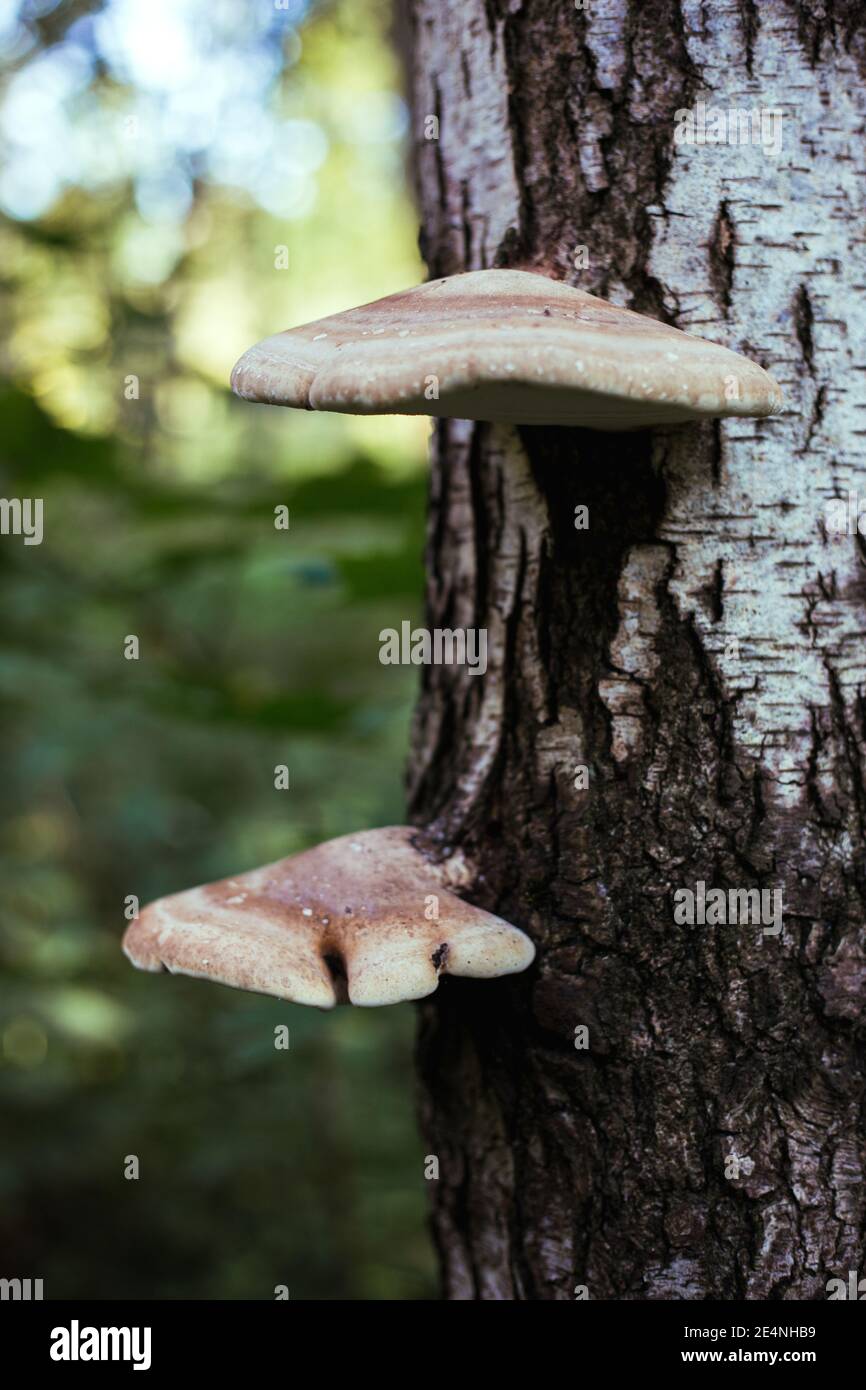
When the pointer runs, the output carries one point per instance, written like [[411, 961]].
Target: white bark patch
[[633, 656], [791, 596], [561, 746], [592, 120], [523, 531], [605, 38], [462, 74]]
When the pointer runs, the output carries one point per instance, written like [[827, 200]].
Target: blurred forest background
[[155, 156]]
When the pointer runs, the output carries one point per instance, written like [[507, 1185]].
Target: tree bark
[[699, 649]]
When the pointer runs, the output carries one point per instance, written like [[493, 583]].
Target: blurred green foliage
[[258, 647]]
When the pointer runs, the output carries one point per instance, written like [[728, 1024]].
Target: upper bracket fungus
[[365, 918], [507, 346]]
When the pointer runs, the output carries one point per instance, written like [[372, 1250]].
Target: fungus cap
[[509, 346], [345, 918]]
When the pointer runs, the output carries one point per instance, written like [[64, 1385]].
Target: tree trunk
[[699, 649]]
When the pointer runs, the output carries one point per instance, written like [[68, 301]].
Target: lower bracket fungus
[[364, 919]]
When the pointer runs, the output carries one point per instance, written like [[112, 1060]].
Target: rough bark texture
[[616, 648]]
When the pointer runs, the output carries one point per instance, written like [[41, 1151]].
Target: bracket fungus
[[508, 346], [365, 919]]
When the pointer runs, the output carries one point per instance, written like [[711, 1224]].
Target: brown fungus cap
[[353, 915], [509, 346]]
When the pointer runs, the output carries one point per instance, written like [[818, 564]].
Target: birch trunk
[[699, 649]]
